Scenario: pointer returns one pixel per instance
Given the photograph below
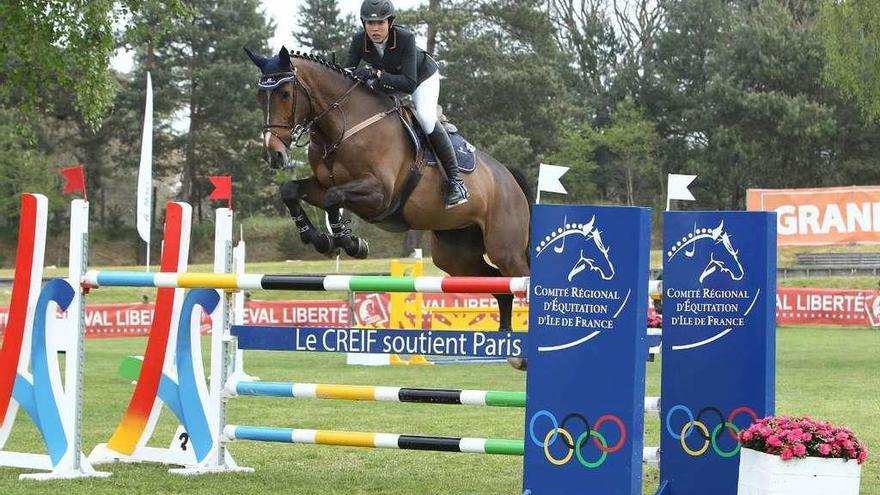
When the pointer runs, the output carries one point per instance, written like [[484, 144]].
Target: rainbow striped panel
[[133, 425]]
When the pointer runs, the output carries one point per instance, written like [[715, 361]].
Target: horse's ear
[[716, 232], [589, 225], [258, 60], [284, 55]]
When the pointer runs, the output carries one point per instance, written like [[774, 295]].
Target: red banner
[[793, 307], [798, 306], [134, 320]]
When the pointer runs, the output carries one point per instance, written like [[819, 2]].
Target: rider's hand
[[366, 73]]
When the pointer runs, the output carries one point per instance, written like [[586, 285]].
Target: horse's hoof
[[323, 244], [518, 363], [358, 249]]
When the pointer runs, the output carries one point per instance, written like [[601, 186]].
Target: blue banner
[[587, 349], [719, 334], [359, 340]]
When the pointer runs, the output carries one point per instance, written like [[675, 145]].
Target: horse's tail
[[523, 184]]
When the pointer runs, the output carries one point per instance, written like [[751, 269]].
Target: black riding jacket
[[404, 65]]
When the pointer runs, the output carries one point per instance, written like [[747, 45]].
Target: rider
[[401, 66]]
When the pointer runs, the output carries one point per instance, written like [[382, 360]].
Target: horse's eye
[[285, 95]]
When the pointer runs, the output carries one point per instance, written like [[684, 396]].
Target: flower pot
[[765, 474]]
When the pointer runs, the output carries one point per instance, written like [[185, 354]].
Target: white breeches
[[425, 100]]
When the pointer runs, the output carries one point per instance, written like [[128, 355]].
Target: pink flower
[[790, 437]]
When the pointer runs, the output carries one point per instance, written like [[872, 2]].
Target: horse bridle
[[295, 130]]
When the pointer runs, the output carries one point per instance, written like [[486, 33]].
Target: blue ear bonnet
[[272, 81], [276, 70]]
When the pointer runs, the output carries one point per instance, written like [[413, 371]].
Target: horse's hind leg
[[291, 194], [460, 252], [506, 245]]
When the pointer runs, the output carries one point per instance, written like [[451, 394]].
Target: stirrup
[[456, 187]]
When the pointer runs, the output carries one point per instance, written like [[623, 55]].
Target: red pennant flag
[[74, 180], [222, 188]]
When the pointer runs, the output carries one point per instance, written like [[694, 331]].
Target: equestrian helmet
[[377, 10]]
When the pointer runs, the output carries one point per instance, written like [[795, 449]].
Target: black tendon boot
[[456, 192]]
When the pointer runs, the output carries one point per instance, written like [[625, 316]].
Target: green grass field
[[828, 373]]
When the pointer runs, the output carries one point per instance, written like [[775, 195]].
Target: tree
[[626, 147], [501, 82], [23, 167], [738, 98], [203, 76], [850, 32], [53, 47], [323, 30]]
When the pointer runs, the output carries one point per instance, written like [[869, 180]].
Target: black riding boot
[[456, 192]]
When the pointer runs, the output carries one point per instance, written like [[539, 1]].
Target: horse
[[363, 159]]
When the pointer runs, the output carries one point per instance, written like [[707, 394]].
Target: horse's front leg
[[359, 195], [292, 193], [341, 235]]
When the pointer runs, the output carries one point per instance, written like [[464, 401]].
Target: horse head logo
[[723, 258], [592, 251]]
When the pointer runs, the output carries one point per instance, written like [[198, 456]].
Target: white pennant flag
[[548, 179], [145, 173], [677, 188]]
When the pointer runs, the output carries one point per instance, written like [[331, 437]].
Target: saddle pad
[[464, 153]]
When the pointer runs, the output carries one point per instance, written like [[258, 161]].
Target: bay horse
[[364, 160]]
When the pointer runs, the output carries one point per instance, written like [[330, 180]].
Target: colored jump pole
[[491, 446], [360, 283], [489, 398]]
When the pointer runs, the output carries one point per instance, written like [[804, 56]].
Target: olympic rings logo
[[576, 447], [695, 423]]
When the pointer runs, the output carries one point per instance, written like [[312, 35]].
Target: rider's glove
[[365, 73]]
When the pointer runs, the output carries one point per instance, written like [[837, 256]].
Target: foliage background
[[743, 93]]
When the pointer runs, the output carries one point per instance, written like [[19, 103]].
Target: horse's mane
[[383, 98], [333, 66]]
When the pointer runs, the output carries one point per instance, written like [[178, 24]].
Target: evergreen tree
[[203, 77], [322, 30], [501, 83]]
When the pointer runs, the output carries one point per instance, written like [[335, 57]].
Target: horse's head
[[587, 239], [723, 256], [593, 254], [278, 92]]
